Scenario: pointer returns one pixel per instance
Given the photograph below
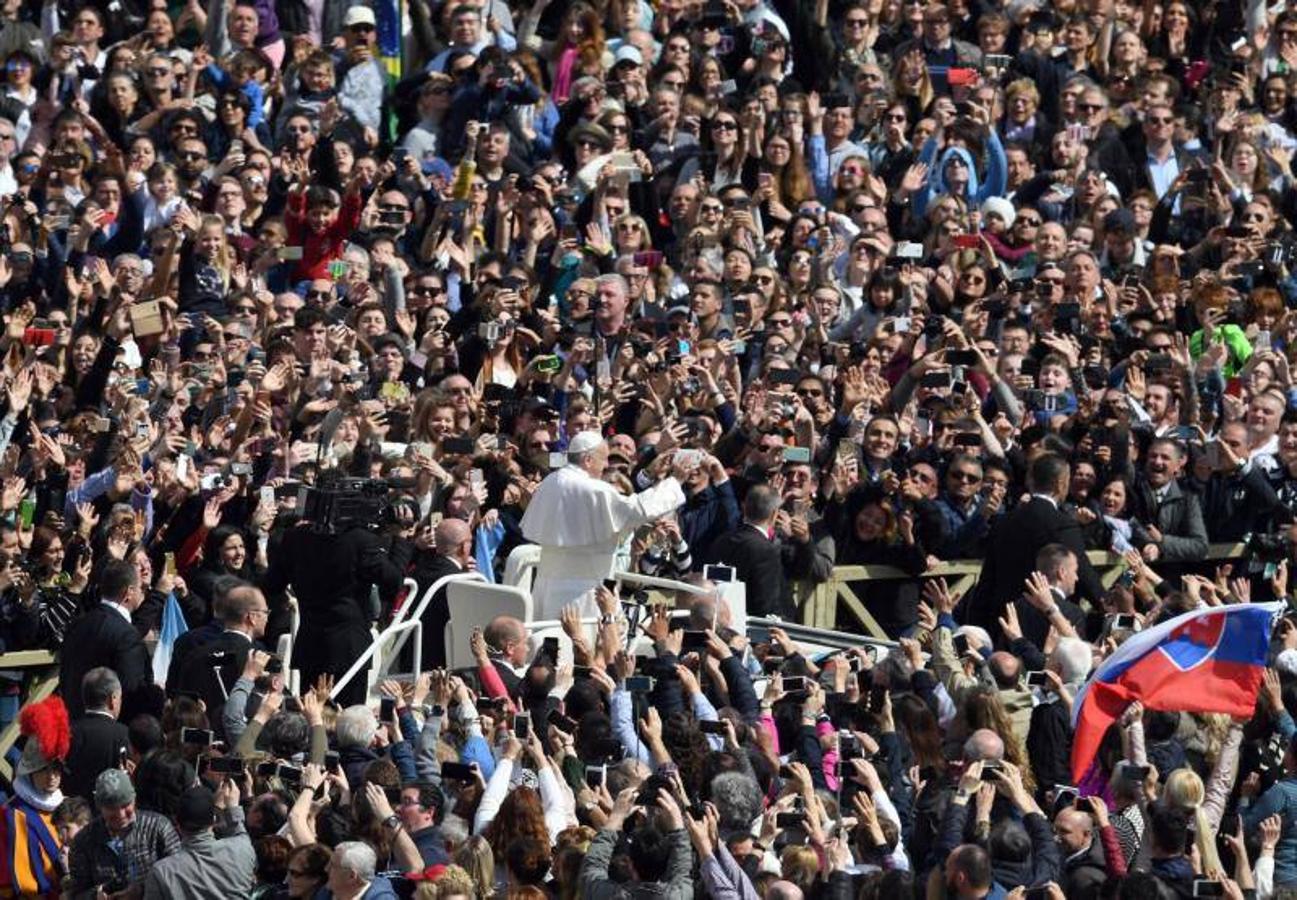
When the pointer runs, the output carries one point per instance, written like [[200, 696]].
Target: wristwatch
[[393, 822]]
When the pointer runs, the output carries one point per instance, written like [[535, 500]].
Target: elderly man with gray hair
[[579, 520], [353, 874], [1049, 737]]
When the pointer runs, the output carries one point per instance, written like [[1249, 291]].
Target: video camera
[[1267, 547], [342, 503]]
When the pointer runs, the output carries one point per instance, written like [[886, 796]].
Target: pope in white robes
[[578, 519]]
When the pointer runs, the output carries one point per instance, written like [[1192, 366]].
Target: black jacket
[[211, 671], [98, 741], [763, 565], [1014, 541], [429, 568], [103, 637], [1049, 747], [331, 576], [1084, 875]]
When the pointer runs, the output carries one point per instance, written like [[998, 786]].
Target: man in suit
[[759, 561], [1019, 536], [1171, 517], [99, 741], [452, 555], [1047, 600], [212, 670], [195, 639], [105, 637]]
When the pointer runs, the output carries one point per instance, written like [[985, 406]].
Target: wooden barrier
[[820, 604], [42, 670]]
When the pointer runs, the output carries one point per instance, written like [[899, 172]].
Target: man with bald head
[[1084, 868], [450, 553]]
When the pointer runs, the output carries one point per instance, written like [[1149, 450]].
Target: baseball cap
[[359, 15], [628, 53]]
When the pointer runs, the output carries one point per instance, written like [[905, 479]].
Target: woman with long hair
[[580, 45], [982, 709], [225, 552], [476, 858], [877, 536], [520, 815], [911, 82], [785, 180], [920, 731]]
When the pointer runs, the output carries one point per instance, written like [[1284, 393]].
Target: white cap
[[628, 53], [585, 442], [359, 15]]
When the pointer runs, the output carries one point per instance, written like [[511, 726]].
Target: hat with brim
[[589, 131]]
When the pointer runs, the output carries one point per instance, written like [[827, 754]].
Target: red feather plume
[[47, 723]]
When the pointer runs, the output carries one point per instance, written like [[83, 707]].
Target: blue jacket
[[707, 515], [976, 191], [1280, 800]]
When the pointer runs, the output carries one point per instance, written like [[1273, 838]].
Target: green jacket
[[1240, 348]]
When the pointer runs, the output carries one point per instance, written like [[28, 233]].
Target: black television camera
[[341, 503]]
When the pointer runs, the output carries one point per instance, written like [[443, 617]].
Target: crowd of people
[[797, 286]]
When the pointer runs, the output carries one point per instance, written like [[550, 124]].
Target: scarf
[[563, 75]]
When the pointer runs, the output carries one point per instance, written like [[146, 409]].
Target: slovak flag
[[1206, 661]]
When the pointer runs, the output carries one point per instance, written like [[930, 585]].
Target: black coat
[[97, 744], [221, 658], [103, 637], [760, 564], [189, 643], [331, 575], [1014, 541], [428, 569]]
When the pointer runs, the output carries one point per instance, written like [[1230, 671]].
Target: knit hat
[[49, 736], [1002, 208]]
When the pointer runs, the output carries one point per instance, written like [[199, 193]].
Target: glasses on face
[[779, 322], [1029, 221], [618, 129], [711, 209], [588, 144], [724, 125], [857, 23], [1160, 120], [244, 310], [966, 477], [809, 392], [362, 28], [764, 279], [427, 290], [318, 295], [185, 128]]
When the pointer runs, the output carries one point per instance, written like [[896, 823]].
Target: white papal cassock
[[578, 521]]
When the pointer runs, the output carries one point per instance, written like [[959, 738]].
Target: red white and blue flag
[[1205, 661]]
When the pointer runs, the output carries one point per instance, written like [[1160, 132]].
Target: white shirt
[[121, 610]]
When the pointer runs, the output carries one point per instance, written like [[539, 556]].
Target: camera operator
[[333, 574]]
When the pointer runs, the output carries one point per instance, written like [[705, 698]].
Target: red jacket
[[318, 250]]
